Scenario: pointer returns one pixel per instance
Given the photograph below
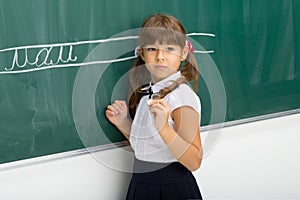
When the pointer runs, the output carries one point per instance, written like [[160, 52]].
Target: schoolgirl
[[165, 131]]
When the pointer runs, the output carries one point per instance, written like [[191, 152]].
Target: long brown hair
[[164, 29]]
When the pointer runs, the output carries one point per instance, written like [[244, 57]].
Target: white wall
[[258, 160], [75, 178]]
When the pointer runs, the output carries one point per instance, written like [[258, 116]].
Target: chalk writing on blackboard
[[41, 58], [31, 58]]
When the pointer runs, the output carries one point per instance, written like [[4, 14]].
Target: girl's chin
[[160, 77]]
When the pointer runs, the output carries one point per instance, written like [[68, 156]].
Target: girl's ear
[[141, 54], [185, 52]]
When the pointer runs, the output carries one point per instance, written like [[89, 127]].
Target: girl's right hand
[[117, 112]]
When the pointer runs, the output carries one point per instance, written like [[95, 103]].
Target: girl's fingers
[[160, 104], [109, 108], [160, 111], [117, 107], [164, 103], [154, 102], [109, 113], [120, 105], [157, 107]]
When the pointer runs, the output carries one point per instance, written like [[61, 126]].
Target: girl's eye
[[169, 49], [151, 49]]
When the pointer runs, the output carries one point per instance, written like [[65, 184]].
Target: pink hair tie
[[190, 46]]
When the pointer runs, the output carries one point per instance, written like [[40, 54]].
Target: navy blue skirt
[[159, 181]]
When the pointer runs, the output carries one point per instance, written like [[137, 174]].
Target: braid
[[165, 91], [190, 71]]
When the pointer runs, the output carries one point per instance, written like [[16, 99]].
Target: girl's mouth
[[160, 67]]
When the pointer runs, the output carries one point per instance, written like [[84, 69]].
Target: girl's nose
[[160, 54]]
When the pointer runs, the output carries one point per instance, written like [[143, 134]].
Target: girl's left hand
[[160, 111]]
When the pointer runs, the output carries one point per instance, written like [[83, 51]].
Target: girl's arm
[[184, 142], [117, 114]]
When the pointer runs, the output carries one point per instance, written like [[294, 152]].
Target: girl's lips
[[161, 67]]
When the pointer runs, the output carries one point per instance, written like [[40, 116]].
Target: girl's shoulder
[[185, 86], [184, 95]]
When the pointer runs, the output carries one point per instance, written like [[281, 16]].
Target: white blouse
[[144, 137]]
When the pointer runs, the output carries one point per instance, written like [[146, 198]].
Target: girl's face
[[162, 60]]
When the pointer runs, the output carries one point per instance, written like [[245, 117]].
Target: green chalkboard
[[60, 65]]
